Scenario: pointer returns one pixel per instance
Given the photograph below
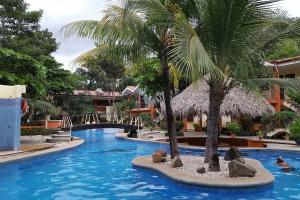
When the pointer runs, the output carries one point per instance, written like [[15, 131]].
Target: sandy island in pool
[[188, 173]]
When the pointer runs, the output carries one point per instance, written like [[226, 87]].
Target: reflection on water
[[101, 169]]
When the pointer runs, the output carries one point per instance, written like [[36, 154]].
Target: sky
[[58, 13]]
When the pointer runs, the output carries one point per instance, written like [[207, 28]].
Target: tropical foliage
[[223, 46], [124, 106], [128, 32], [220, 42], [148, 74], [25, 53], [295, 128], [233, 127]]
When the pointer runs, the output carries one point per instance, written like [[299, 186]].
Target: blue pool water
[[101, 169]]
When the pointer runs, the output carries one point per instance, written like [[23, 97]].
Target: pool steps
[[61, 136]]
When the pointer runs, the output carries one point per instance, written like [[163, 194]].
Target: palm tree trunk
[[216, 96], [169, 112]]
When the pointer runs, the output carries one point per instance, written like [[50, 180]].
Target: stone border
[[263, 177], [30, 154]]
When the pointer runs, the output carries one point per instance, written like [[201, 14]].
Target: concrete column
[[10, 116]]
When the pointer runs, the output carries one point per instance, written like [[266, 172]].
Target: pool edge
[[26, 155]]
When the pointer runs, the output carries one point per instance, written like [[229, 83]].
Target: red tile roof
[[96, 93]]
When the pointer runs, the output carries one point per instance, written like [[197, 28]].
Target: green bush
[[260, 133], [179, 125], [233, 127], [37, 131], [147, 120], [295, 128], [285, 117]]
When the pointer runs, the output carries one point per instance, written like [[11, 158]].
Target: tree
[[285, 49], [221, 52], [26, 53], [16, 22], [100, 74], [17, 68], [59, 80], [128, 31], [148, 74]]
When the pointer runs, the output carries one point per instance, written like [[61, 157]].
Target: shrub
[[37, 131], [179, 125], [233, 127], [260, 133], [197, 127], [295, 128], [285, 117], [147, 120]]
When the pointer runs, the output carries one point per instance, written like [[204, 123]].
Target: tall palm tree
[[132, 30], [226, 35]]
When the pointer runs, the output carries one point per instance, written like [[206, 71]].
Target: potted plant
[[179, 125], [260, 134], [294, 129], [233, 128], [197, 127]]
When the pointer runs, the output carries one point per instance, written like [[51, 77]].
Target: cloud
[[58, 13], [292, 6]]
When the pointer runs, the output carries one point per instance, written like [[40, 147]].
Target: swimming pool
[[101, 169]]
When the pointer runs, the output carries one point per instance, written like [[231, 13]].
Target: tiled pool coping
[[29, 154], [262, 178]]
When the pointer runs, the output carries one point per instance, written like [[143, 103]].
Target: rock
[[241, 160], [238, 169], [201, 170], [214, 164], [162, 152], [157, 157], [132, 134], [232, 153], [176, 162]]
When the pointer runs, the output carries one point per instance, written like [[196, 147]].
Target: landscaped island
[[235, 171]]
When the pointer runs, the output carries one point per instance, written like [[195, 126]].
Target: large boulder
[[232, 153], [162, 152], [201, 170], [132, 134], [238, 169], [241, 160], [157, 158]]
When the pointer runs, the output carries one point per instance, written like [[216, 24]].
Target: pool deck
[[272, 144], [38, 150], [263, 177]]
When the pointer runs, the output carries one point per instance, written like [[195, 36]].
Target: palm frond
[[188, 53]]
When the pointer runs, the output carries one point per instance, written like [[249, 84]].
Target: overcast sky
[[58, 13]]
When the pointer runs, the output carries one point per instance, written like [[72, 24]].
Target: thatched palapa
[[238, 101]]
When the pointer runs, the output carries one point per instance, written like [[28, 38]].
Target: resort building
[[283, 68], [102, 100], [143, 102]]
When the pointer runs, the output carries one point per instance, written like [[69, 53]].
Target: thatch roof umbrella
[[238, 102]]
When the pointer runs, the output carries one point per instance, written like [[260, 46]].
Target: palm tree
[[231, 36], [129, 31]]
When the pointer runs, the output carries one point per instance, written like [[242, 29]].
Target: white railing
[[102, 118]]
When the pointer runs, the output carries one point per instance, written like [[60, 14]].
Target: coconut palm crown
[[231, 35]]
